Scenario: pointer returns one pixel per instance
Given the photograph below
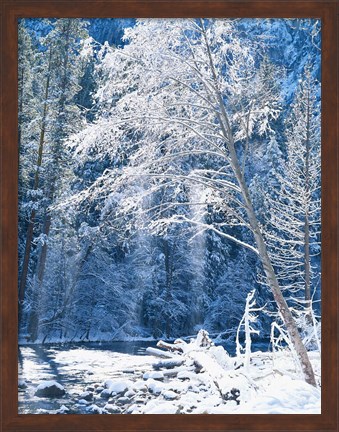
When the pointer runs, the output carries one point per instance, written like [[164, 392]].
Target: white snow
[[169, 395], [160, 408], [62, 410], [94, 409], [118, 386], [155, 375], [272, 384], [155, 386]]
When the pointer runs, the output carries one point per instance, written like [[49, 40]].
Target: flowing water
[[79, 367]]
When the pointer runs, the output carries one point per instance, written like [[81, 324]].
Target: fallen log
[[171, 347], [174, 372], [168, 364], [159, 353]]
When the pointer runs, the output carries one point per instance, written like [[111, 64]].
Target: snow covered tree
[[66, 69], [194, 94], [293, 231], [36, 142], [56, 67]]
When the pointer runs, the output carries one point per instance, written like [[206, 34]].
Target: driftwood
[[170, 347], [171, 373], [159, 353], [168, 364]]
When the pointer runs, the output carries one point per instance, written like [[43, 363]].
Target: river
[[79, 367]]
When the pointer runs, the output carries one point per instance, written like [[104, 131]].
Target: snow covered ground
[[199, 380]]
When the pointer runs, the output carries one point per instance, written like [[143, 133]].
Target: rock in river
[[50, 389], [87, 395]]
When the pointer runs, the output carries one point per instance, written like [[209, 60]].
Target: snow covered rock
[[112, 409], [83, 402], [140, 398], [22, 384], [118, 387], [99, 389], [123, 400], [140, 386], [169, 395], [94, 409], [157, 375], [90, 388], [105, 394], [133, 409], [88, 396], [154, 387], [50, 389], [62, 410]]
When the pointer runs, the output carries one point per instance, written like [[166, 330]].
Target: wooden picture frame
[[12, 10]]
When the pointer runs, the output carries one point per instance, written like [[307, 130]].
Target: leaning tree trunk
[[283, 308], [288, 319]]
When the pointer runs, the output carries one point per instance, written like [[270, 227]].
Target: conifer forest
[[169, 238]]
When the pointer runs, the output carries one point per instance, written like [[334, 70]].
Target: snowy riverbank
[[198, 380]]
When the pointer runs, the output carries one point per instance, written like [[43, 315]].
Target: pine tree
[[58, 69]]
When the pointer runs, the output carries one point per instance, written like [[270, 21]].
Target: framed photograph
[[169, 215]]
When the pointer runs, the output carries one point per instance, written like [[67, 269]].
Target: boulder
[[50, 389], [99, 389], [94, 409], [169, 395], [22, 384], [88, 396], [112, 409], [156, 375], [106, 393], [90, 388], [118, 387], [123, 400]]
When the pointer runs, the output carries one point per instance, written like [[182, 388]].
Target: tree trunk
[[59, 132], [30, 229], [306, 220], [20, 107], [286, 315], [43, 252], [168, 272], [283, 308]]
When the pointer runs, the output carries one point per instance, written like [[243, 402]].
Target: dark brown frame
[[328, 12]]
